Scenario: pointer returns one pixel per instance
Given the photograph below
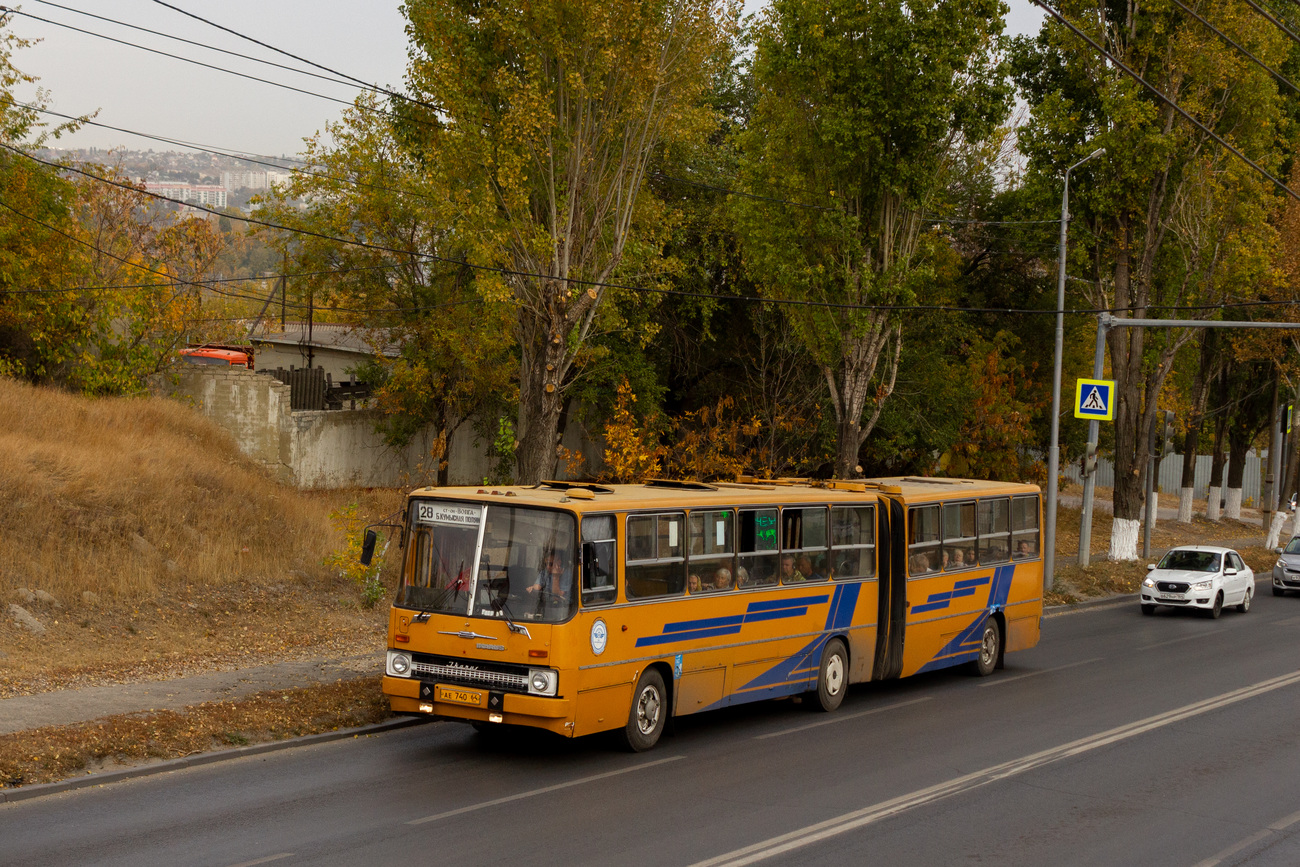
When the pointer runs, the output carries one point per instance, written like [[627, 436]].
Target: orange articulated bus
[[581, 608]]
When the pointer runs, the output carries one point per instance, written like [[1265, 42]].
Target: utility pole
[[1054, 451]]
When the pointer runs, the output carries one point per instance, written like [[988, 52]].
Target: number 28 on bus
[[581, 608]]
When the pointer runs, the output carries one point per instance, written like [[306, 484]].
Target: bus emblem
[[599, 637]]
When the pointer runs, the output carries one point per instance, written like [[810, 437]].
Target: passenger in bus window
[[1023, 549], [693, 583], [722, 579], [742, 577], [969, 558], [788, 573]]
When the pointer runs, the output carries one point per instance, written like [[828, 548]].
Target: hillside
[[146, 546]]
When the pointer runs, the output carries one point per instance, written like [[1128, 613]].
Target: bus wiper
[[501, 606]]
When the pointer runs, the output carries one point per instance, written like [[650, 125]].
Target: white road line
[[1283, 824], [1233, 849], [851, 821], [841, 718], [535, 792], [1177, 640], [998, 680], [266, 860]]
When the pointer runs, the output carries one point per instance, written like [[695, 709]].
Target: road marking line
[[841, 718], [265, 860], [1283, 824], [535, 792], [1176, 640], [997, 680], [810, 834], [1233, 849]]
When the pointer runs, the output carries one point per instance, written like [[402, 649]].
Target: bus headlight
[[541, 681], [399, 663]]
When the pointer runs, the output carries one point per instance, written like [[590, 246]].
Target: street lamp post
[[1054, 452]]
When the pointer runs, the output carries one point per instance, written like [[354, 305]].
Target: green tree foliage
[[862, 110], [443, 352], [548, 115]]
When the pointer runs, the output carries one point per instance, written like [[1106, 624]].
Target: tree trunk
[[544, 361], [1191, 443], [1238, 445]]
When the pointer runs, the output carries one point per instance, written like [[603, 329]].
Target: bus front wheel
[[990, 649], [645, 722], [832, 675]]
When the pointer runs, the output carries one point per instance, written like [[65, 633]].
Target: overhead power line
[[1120, 65], [1230, 41]]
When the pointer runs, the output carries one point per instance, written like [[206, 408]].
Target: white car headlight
[[1203, 585], [542, 681], [399, 663], [1150, 582]]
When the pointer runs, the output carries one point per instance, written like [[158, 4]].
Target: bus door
[[892, 617]]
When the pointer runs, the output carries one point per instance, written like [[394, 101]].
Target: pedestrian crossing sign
[[1094, 399]]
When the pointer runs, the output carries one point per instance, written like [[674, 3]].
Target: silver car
[[1286, 571]]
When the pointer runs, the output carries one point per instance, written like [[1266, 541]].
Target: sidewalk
[[65, 707]]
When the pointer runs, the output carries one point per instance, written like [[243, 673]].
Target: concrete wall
[[331, 448]]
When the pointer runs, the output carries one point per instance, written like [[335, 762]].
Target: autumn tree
[[861, 111], [379, 246], [1171, 219], [545, 119]]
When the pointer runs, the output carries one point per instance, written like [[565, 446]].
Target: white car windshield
[[1191, 561]]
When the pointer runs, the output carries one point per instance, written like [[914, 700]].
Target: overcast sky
[[169, 97]]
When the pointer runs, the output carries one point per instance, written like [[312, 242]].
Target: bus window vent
[[569, 486], [679, 485], [928, 480]]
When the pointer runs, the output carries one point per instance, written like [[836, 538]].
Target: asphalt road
[[1120, 739]]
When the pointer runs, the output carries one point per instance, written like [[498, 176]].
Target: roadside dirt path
[[64, 707]]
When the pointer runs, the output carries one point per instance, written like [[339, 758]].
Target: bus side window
[[598, 572], [656, 565], [759, 552], [958, 536], [853, 541], [1024, 527], [923, 540], [713, 548], [992, 517], [804, 538]]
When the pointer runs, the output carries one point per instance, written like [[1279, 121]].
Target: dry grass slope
[[131, 497], [198, 558]]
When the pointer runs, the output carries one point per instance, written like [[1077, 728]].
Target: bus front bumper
[[552, 714]]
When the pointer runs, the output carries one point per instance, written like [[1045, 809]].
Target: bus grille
[[471, 676]]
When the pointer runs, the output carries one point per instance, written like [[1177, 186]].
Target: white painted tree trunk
[[1124, 539], [1232, 504], [1275, 530], [1212, 505], [1185, 505]]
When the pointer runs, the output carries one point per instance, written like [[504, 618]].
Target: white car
[[1200, 577]]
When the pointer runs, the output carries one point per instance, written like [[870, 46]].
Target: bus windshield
[[510, 562]]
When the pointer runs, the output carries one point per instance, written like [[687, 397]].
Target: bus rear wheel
[[832, 676], [990, 649], [649, 713]]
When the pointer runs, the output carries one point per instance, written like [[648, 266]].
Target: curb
[[23, 793], [1088, 604]]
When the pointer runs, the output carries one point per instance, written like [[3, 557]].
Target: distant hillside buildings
[[193, 194]]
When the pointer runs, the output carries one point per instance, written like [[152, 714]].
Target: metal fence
[[1171, 475]]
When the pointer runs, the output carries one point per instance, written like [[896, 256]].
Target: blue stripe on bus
[[937, 601], [687, 636], [965, 646], [792, 602], [733, 620], [771, 609]]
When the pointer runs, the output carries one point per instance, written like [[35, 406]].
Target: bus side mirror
[[368, 547]]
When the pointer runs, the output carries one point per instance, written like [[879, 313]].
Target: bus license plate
[[471, 697]]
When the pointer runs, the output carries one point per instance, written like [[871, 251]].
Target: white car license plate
[[1170, 596]]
